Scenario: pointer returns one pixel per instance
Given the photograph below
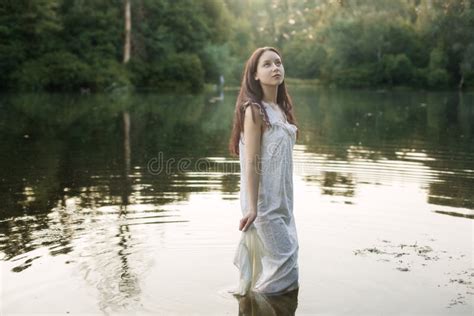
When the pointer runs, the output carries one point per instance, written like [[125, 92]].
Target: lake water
[[128, 204]]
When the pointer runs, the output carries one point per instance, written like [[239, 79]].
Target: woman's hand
[[247, 220]]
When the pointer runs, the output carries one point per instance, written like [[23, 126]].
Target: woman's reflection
[[255, 304]]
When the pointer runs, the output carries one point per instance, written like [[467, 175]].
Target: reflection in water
[[337, 184], [128, 289], [470, 214], [255, 304], [115, 276], [77, 185], [126, 157]]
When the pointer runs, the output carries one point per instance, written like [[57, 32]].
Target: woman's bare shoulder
[[255, 113], [252, 114]]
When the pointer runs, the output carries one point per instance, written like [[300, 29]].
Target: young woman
[[264, 133]]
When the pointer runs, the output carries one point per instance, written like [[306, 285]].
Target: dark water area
[[127, 203]]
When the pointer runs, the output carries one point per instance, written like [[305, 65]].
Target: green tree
[[29, 29]]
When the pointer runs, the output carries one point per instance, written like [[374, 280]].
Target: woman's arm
[[252, 133]]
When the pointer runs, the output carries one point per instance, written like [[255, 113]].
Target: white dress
[[267, 254]]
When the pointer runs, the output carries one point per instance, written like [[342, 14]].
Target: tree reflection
[[55, 147], [365, 129], [64, 158]]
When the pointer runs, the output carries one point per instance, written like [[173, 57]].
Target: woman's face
[[270, 69]]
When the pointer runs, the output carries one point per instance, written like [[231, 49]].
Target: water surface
[[129, 203]]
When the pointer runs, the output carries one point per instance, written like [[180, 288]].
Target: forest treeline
[[178, 45]]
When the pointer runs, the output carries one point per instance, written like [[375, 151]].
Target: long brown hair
[[251, 93]]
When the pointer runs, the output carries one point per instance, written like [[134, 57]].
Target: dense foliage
[[178, 45]]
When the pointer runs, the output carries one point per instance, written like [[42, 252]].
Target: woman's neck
[[270, 94]]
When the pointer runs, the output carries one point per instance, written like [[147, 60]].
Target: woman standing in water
[[263, 136]]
